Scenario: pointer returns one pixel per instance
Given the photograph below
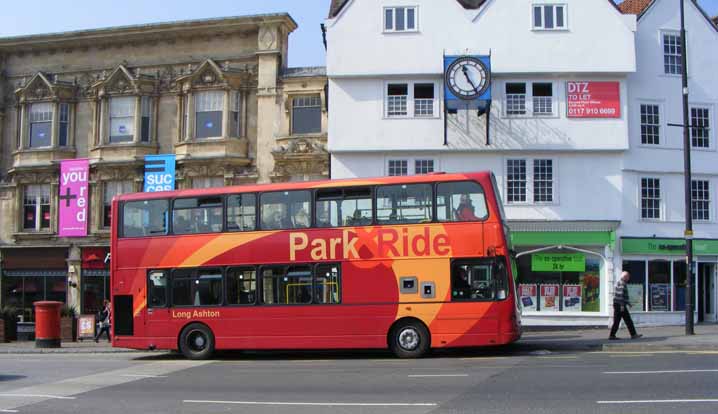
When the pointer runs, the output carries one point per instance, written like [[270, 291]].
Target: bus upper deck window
[[144, 218]]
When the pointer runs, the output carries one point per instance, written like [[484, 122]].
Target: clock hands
[[468, 78]]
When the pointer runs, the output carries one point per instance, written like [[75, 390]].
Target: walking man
[[620, 308]]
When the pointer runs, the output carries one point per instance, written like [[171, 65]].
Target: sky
[[305, 48], [50, 16]]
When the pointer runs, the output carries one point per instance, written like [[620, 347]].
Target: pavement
[[663, 338]]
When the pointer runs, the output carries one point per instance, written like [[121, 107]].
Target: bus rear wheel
[[409, 339], [196, 342]]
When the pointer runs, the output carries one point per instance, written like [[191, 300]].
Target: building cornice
[[155, 32]]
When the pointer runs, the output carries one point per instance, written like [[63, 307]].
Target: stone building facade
[[216, 93]]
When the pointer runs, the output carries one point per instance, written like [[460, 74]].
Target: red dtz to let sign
[[594, 99]]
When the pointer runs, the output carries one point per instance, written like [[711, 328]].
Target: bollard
[[47, 324]]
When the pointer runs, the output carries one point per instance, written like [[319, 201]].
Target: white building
[[561, 174], [652, 224]]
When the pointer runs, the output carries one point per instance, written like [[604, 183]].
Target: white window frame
[[415, 29], [710, 209], [553, 181], [663, 34], [38, 197], [388, 166], [661, 199], [542, 27], [529, 99], [410, 163], [410, 100], [46, 116], [711, 125], [530, 188], [424, 159], [662, 132], [133, 101]]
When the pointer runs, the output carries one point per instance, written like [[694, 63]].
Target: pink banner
[[73, 197]]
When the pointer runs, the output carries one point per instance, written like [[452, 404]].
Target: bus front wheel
[[196, 341], [409, 339]]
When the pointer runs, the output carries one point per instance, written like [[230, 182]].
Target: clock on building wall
[[467, 78]]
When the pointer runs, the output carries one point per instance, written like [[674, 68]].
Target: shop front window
[[679, 285], [637, 283], [95, 288], [21, 288], [659, 285], [560, 282]]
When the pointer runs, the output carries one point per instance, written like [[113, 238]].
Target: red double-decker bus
[[408, 263]]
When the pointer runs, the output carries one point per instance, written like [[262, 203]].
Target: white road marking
[[557, 357], [8, 411], [678, 371], [706, 400], [143, 376], [631, 356], [67, 388], [318, 404], [45, 396], [436, 375]]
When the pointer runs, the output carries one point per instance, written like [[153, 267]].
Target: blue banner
[[159, 173]]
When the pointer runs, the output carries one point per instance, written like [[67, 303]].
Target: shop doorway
[[707, 309]]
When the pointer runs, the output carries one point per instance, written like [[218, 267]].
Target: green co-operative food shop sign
[[551, 262]]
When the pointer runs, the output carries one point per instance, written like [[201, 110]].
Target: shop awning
[[35, 273], [667, 247], [567, 233]]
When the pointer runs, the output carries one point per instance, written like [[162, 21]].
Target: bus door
[[157, 312]]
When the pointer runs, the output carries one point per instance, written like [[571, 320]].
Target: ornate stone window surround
[[44, 177], [104, 178], [210, 77], [142, 90], [59, 97]]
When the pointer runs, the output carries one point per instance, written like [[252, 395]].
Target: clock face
[[467, 78]]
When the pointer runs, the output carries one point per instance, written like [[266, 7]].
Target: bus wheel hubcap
[[409, 339], [197, 341]]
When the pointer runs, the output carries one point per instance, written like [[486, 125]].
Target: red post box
[[47, 324]]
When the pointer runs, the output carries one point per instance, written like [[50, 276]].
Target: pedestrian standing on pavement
[[620, 308], [104, 321]]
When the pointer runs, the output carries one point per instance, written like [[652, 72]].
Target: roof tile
[[634, 6]]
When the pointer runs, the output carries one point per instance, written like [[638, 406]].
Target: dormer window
[[212, 103], [40, 125], [400, 19], [549, 17], [122, 119], [126, 105], [45, 113], [208, 106]]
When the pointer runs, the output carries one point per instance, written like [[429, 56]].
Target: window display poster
[[635, 296], [529, 298], [660, 299], [86, 326], [549, 298], [591, 290], [572, 298]]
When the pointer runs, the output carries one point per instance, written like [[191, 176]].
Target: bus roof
[[308, 185]]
